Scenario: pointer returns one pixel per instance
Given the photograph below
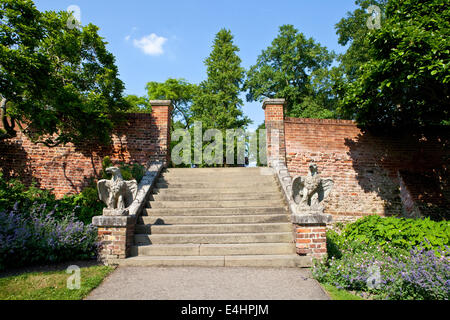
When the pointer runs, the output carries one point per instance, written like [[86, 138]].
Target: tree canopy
[[297, 69], [180, 92], [57, 84], [405, 79], [217, 103]]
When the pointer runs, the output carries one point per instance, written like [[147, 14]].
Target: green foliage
[[129, 171], [84, 205], [404, 81], [294, 68], [180, 92], [399, 232], [394, 252], [217, 103], [138, 104], [57, 84]]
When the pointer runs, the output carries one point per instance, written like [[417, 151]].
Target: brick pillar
[[274, 119], [161, 113], [311, 240], [115, 237]]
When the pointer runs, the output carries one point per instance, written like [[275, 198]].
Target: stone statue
[[309, 192], [117, 193]]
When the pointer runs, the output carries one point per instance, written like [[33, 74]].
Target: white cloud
[[127, 38], [151, 44]]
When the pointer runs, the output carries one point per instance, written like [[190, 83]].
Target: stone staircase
[[215, 217]]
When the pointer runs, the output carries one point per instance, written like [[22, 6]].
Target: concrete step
[[213, 228], [247, 184], [278, 261], [205, 191], [216, 197], [199, 171], [145, 239], [154, 212], [162, 220], [214, 178], [215, 204], [213, 249]]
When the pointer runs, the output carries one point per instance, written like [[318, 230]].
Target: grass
[[51, 285], [339, 294]]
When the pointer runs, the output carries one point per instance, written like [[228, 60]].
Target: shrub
[[419, 274], [84, 205], [39, 237], [128, 171], [409, 267], [399, 232]]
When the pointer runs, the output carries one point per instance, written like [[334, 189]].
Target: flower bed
[[39, 237], [372, 265]]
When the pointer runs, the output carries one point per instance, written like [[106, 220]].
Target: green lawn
[[339, 294], [51, 285]]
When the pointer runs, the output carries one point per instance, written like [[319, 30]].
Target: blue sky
[[153, 40]]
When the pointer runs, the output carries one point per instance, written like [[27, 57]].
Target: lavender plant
[[419, 274], [39, 237]]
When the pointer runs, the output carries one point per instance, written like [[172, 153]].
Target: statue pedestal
[[310, 232], [115, 212]]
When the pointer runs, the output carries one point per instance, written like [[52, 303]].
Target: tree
[[353, 31], [405, 80], [180, 92], [217, 103], [138, 104], [57, 84], [294, 68]]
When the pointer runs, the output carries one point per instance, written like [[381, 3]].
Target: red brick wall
[[364, 166], [67, 169]]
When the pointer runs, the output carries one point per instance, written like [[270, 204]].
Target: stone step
[[214, 178], [162, 220], [277, 261], [213, 249], [145, 239], [199, 171], [215, 204], [188, 191], [247, 184], [213, 228], [215, 196], [154, 212]]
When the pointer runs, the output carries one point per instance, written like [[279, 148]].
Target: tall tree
[[294, 68], [180, 92], [217, 103], [353, 31], [57, 84], [138, 104], [405, 80]]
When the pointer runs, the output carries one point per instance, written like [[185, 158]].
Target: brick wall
[[364, 166], [67, 169]]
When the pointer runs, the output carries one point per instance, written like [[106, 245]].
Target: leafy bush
[[128, 171], [419, 274], [39, 237], [84, 205], [409, 267], [399, 232]]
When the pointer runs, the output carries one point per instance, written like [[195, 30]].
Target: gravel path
[[195, 283]]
